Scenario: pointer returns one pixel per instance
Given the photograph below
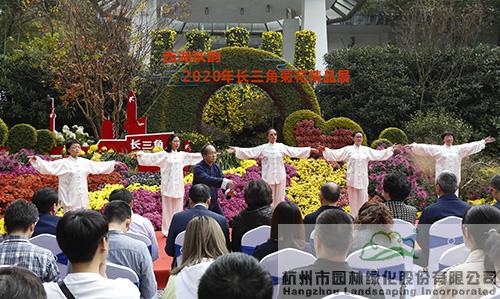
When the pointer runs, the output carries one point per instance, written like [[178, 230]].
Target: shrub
[[272, 42], [45, 141], [318, 122], [395, 135], [21, 136], [162, 41], [198, 40], [305, 50], [237, 37], [428, 127], [4, 132], [307, 134], [381, 141]]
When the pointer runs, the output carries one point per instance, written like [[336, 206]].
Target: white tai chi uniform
[[72, 172], [448, 158], [273, 168], [357, 158], [172, 180]]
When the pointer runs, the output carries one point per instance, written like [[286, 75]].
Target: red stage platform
[[162, 265]]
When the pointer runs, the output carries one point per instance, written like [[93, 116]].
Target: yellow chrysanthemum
[[247, 163], [237, 171], [137, 186], [157, 149], [96, 157], [188, 179], [98, 199], [477, 202], [92, 149], [311, 175], [2, 227]]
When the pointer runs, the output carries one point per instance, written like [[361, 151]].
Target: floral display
[[311, 175], [76, 132], [307, 134], [304, 179], [421, 189]]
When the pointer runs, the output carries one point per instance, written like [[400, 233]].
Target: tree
[[108, 45]]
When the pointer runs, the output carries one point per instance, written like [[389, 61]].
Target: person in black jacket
[[258, 196], [210, 173]]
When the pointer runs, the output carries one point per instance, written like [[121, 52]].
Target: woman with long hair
[[171, 163], [286, 236], [479, 225], [204, 241]]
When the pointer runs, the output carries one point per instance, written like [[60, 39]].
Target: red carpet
[[162, 265]]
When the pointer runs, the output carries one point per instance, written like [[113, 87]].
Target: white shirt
[[271, 154], [448, 158], [357, 158], [93, 286], [143, 226], [72, 173], [171, 165], [184, 285]]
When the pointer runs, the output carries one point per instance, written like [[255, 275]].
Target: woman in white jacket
[[273, 168], [449, 157], [357, 157], [171, 163], [204, 241]]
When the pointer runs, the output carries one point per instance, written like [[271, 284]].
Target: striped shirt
[[18, 251]]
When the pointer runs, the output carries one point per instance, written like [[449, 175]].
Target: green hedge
[[45, 141], [198, 40], [161, 41], [326, 126], [428, 127], [4, 132], [305, 50], [181, 105], [380, 141], [21, 136], [272, 41], [395, 135], [237, 37]]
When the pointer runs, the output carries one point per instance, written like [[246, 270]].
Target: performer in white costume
[[72, 172], [357, 157], [273, 168], [448, 156], [171, 163]]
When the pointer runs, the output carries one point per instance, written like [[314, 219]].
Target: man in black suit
[[447, 204], [328, 196], [209, 173], [199, 200]]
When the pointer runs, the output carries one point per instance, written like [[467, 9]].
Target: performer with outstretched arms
[[72, 172], [357, 157], [449, 157], [271, 154], [171, 163]]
